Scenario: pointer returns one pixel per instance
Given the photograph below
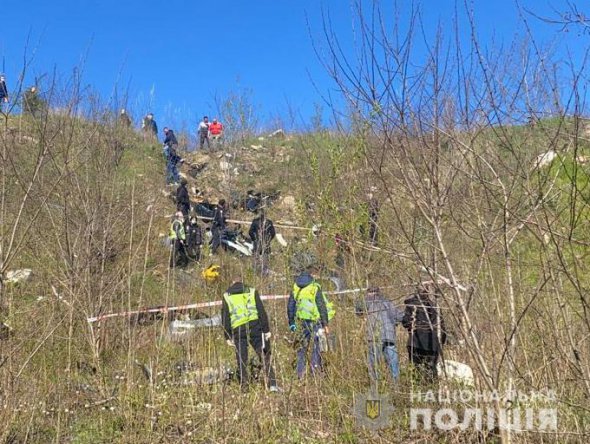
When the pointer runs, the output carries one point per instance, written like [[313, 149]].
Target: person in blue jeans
[[307, 310], [382, 319]]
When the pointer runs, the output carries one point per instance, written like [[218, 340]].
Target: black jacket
[[170, 139], [194, 235], [3, 90], [423, 323], [173, 157], [183, 202], [262, 232], [236, 288], [219, 217]]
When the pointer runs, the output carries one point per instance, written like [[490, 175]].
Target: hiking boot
[[274, 389]]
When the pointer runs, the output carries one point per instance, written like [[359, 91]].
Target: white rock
[[256, 147], [456, 371], [277, 133], [545, 159], [16, 276], [281, 240]]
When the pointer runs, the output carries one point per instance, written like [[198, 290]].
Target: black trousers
[[252, 333], [217, 232], [425, 362], [178, 257]]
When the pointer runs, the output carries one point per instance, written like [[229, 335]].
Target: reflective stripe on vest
[[172, 235], [307, 309], [242, 307]]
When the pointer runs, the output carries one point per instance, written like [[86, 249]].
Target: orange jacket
[[215, 128]]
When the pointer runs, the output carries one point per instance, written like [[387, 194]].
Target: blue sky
[[174, 57]]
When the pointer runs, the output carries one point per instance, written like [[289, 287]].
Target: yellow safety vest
[[307, 309], [172, 235], [242, 308]]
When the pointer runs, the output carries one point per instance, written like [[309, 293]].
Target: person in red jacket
[[215, 129]]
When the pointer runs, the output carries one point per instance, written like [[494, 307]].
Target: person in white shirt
[[204, 133]]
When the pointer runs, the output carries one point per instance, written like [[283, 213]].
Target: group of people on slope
[[309, 313], [208, 133], [422, 319], [187, 244], [32, 103], [245, 321]]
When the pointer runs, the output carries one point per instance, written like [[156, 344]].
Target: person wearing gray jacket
[[382, 319]]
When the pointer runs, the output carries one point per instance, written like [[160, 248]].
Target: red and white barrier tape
[[203, 305]]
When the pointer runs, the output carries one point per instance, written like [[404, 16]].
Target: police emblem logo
[[373, 408]]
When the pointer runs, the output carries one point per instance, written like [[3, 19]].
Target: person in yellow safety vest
[[309, 310], [177, 236], [244, 320]]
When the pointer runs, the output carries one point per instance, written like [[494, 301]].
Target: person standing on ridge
[[262, 232], [244, 320], [32, 103], [149, 126], [3, 91], [172, 158], [204, 133], [170, 141], [382, 318], [308, 310], [216, 132], [124, 119]]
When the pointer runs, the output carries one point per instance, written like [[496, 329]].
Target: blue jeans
[[309, 330], [172, 173], [378, 351]]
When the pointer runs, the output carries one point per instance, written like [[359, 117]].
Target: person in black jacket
[[244, 320], [149, 126], [218, 226], [426, 328], [3, 91], [262, 232], [170, 139], [194, 239], [183, 202]]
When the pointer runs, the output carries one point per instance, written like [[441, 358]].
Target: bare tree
[[445, 137]]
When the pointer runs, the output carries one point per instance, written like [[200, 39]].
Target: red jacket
[[215, 128]]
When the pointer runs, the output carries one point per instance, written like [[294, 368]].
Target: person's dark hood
[[304, 279], [237, 288]]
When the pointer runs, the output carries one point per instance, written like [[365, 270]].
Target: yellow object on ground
[[211, 273]]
